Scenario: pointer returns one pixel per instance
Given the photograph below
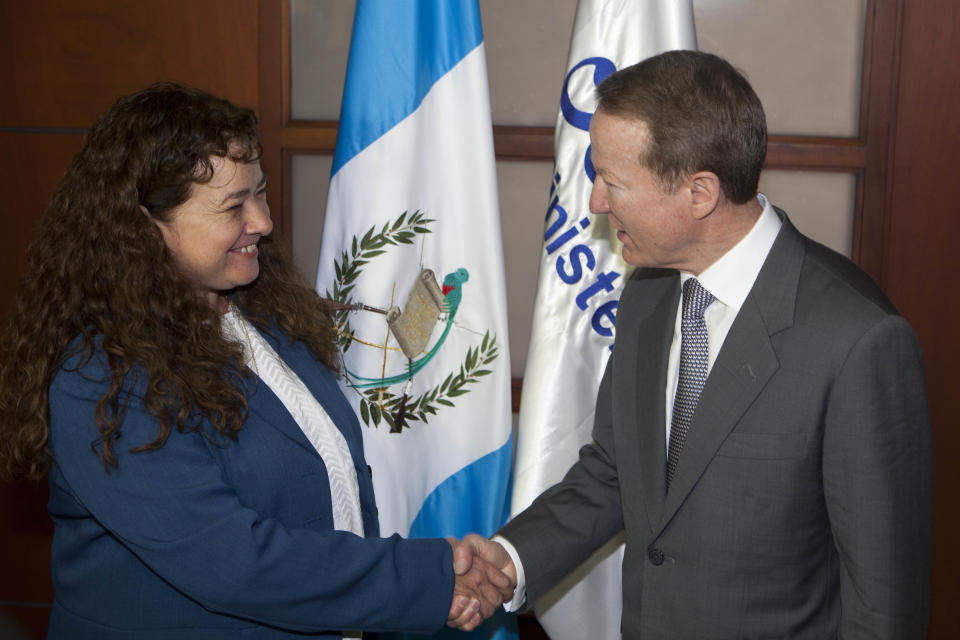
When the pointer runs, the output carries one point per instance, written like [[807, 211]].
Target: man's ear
[[704, 193]]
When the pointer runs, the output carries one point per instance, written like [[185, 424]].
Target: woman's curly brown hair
[[99, 277]]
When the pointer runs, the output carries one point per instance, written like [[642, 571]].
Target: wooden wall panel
[[74, 59], [23, 622], [65, 63], [32, 165], [923, 260], [26, 575], [25, 588], [271, 110]]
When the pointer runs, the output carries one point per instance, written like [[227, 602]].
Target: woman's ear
[[163, 227]]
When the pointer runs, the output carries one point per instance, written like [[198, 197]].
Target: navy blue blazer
[[227, 539]]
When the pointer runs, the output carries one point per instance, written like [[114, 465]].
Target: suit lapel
[[742, 368], [654, 306], [745, 363]]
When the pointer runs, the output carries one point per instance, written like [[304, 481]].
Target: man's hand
[[485, 578], [496, 556]]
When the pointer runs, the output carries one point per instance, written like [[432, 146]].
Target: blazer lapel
[[745, 363], [265, 405]]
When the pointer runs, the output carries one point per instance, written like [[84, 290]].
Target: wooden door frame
[[867, 156]]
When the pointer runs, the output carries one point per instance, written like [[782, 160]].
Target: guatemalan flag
[[412, 233], [575, 309]]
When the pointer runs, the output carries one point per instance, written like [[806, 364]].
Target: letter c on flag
[[581, 119]]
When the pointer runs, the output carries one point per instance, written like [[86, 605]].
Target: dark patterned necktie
[[693, 367]]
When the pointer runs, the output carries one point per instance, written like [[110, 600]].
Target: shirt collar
[[731, 277]]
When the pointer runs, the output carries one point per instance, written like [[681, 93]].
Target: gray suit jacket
[[801, 504]]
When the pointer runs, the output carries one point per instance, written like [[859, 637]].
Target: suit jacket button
[[655, 556]]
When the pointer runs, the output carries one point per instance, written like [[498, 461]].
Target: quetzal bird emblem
[[427, 304]]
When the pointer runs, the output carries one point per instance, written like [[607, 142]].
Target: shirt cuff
[[520, 593]]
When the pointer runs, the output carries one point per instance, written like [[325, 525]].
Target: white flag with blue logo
[[581, 277], [411, 242]]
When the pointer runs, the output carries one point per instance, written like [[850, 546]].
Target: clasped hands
[[485, 578]]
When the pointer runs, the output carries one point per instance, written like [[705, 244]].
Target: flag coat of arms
[[581, 276], [411, 244]]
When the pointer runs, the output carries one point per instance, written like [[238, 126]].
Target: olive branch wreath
[[380, 404]]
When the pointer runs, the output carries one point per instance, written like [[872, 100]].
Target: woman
[[177, 380]]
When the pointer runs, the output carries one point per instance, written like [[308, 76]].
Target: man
[[765, 445]]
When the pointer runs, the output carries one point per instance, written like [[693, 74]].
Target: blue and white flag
[[412, 233], [581, 277]]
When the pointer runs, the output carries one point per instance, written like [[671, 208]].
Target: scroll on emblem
[[412, 326]]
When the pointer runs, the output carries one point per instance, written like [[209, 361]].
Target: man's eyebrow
[[243, 193]]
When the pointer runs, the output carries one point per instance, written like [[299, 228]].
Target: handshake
[[485, 579]]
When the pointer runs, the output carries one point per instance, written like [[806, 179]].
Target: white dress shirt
[[729, 280]]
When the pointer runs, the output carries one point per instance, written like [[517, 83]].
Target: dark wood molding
[[286, 191], [523, 143], [310, 136], [783, 152], [536, 143], [881, 55], [921, 259], [516, 389], [270, 110], [285, 60], [812, 153]]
